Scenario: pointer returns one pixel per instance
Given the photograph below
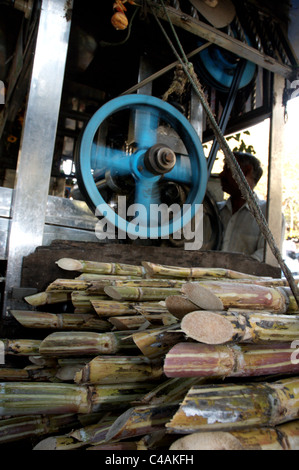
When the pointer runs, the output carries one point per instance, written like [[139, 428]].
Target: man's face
[[228, 183]]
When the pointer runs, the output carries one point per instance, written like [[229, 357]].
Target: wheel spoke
[[182, 171], [146, 123], [106, 158]]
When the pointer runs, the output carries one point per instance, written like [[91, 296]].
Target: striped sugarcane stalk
[[97, 287], [21, 347], [89, 435], [25, 427], [93, 277], [171, 390], [119, 369], [60, 321], [237, 406], [109, 308], [45, 298], [240, 326], [198, 272], [141, 420], [235, 360], [130, 322], [282, 437], [164, 318], [83, 299], [68, 285], [82, 343], [154, 343], [140, 293], [22, 398], [217, 295], [179, 305], [97, 267]]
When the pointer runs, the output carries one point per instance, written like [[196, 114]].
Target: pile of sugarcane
[[149, 353]]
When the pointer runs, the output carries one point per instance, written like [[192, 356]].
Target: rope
[[236, 171]]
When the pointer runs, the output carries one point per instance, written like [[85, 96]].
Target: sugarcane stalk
[[94, 278], [119, 369], [60, 321], [283, 437], [58, 443], [44, 298], [240, 326], [33, 373], [154, 343], [158, 318], [179, 305], [241, 360], [98, 267], [25, 427], [81, 343], [21, 347], [194, 272], [129, 322], [235, 295], [141, 420], [68, 285], [140, 293], [80, 438], [171, 390], [109, 308], [237, 406], [21, 398], [83, 299]]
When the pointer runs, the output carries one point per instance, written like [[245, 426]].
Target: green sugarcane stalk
[[240, 326], [72, 343], [21, 347], [60, 321], [21, 398], [194, 272], [97, 267], [120, 369], [44, 298], [25, 427], [230, 407], [140, 293], [283, 437]]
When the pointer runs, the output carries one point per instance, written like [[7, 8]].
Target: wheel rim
[[94, 158]]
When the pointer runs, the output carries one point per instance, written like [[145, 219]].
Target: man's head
[[251, 168]]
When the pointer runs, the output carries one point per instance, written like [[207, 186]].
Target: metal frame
[[38, 139], [30, 196]]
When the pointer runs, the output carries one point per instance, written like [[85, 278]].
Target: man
[[241, 232]]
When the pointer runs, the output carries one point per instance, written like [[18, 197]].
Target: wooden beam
[[215, 36]]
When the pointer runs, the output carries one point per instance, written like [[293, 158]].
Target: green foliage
[[242, 147]]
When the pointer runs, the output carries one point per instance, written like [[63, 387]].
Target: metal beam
[[275, 167], [215, 36], [38, 139]]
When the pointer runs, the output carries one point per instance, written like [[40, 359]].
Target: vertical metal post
[[275, 167], [38, 139]]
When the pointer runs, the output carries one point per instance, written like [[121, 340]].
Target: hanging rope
[[232, 162]]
